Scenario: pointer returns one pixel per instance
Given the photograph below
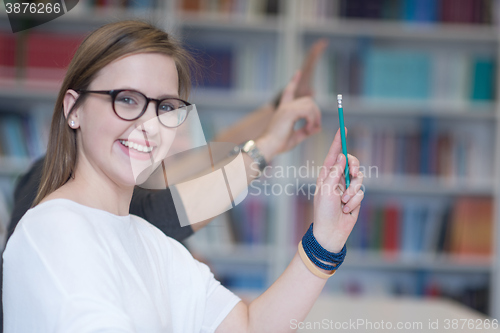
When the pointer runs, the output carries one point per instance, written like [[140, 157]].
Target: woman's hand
[[280, 135], [305, 87], [336, 210]]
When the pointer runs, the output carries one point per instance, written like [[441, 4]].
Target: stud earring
[[72, 123]]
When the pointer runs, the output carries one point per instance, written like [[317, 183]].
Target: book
[[13, 138], [245, 8], [8, 45], [397, 74], [48, 56], [421, 11], [483, 69], [391, 225], [471, 227]]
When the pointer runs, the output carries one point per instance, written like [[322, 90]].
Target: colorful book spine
[[420, 11], [20, 135], [414, 227], [483, 79], [248, 8], [403, 74]]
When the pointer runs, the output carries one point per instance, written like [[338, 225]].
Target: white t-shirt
[[72, 268]]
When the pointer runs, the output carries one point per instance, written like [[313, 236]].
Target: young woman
[[78, 262]]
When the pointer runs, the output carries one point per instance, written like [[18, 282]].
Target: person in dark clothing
[[156, 207]]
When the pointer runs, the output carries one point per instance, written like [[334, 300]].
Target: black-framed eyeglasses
[[131, 105]]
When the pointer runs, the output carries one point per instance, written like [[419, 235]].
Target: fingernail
[[339, 158], [346, 209], [346, 198]]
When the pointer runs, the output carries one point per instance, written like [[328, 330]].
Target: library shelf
[[235, 23], [419, 185], [14, 166], [27, 95], [362, 106], [290, 31], [431, 262], [235, 253], [234, 100], [371, 259], [341, 27], [422, 185]]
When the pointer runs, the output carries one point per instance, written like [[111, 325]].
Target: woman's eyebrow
[[168, 96], [163, 96]]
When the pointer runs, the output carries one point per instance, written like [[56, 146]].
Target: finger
[[342, 182], [289, 91], [335, 175], [309, 65], [353, 165], [354, 202], [304, 108], [355, 181], [317, 119], [297, 137], [331, 156], [314, 116], [354, 187], [355, 212], [303, 133]]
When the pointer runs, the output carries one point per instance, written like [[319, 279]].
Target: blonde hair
[[101, 47]]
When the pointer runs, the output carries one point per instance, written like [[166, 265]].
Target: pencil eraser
[[339, 96]]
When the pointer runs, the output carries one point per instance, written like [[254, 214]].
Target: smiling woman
[[79, 262], [107, 120]]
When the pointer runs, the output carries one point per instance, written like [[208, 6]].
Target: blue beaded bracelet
[[315, 251]]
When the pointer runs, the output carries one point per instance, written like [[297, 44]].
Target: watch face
[[249, 145]]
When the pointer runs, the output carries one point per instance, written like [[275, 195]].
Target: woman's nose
[[149, 121]]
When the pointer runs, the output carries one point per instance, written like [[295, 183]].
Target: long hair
[[101, 47]]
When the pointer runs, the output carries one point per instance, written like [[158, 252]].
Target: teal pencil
[[342, 135]]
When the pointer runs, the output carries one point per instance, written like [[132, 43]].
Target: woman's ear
[[69, 101]]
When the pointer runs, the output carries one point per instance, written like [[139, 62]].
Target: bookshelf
[[246, 37]]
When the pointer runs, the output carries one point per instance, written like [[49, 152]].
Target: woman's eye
[[127, 100], [167, 107]]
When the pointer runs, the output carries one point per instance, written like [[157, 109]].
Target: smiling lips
[[136, 146]]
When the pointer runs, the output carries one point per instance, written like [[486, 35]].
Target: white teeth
[[141, 148]]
